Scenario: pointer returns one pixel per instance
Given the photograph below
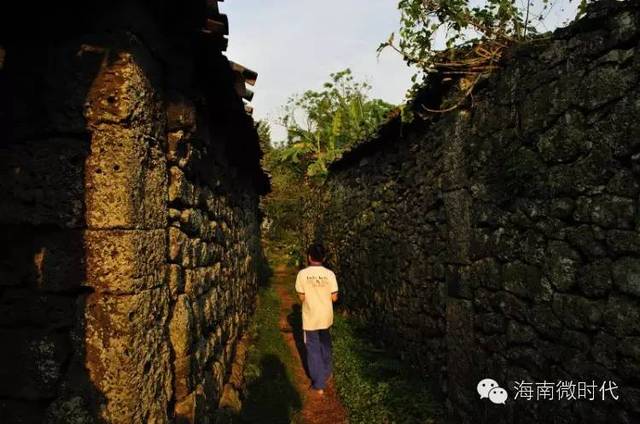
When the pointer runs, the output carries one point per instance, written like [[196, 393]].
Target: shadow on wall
[[42, 254]]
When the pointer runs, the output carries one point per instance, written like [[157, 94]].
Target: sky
[[295, 44]]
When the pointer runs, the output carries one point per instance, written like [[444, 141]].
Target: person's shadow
[[272, 397], [295, 322]]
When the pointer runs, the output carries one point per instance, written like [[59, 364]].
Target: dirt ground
[[316, 409]]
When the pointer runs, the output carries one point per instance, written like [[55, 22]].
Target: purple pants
[[318, 344]]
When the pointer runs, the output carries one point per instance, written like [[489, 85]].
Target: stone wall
[[503, 240], [213, 246], [128, 219]]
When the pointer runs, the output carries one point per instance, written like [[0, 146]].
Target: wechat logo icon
[[489, 388]]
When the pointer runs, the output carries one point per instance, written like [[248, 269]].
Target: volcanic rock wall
[[503, 241], [129, 219]]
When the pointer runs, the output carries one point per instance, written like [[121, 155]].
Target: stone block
[[578, 312], [122, 93], [551, 228], [127, 354], [576, 339], [201, 253], [624, 184], [520, 333], [72, 409], [125, 261], [561, 265], [212, 254], [603, 84], [545, 104], [207, 199], [184, 382], [125, 180], [482, 244], [629, 347], [51, 261], [196, 282], [486, 273], [193, 408], [603, 349], [525, 281], [566, 140], [200, 324], [630, 398], [510, 305], [193, 222], [34, 363], [491, 323], [458, 280], [459, 337], [181, 115], [622, 315], [587, 239], [543, 319], [211, 307], [174, 215], [179, 149], [458, 210], [561, 207], [230, 399], [624, 242], [176, 280], [181, 191], [594, 279], [508, 244], [41, 182], [181, 327], [178, 248], [533, 248], [20, 307], [528, 358], [606, 211], [626, 275]]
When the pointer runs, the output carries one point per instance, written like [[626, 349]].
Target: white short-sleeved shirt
[[316, 283]]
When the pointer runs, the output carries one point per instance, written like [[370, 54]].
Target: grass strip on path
[[271, 396], [374, 386]]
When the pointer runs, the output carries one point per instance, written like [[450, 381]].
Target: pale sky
[[295, 44]]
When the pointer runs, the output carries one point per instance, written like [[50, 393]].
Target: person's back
[[317, 289], [318, 284]]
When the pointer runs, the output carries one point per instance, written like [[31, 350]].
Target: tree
[[264, 134], [475, 34], [322, 124]]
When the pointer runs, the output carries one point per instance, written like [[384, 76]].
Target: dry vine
[[480, 62]]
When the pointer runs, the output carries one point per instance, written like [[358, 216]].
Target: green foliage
[[264, 134], [488, 24], [320, 126], [374, 386]]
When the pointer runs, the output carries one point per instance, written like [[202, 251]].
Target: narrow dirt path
[[316, 409]]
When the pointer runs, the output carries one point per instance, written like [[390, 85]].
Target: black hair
[[316, 252]]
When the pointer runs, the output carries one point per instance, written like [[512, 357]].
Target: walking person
[[317, 289]]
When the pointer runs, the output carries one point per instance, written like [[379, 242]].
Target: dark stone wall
[[503, 240], [129, 225]]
